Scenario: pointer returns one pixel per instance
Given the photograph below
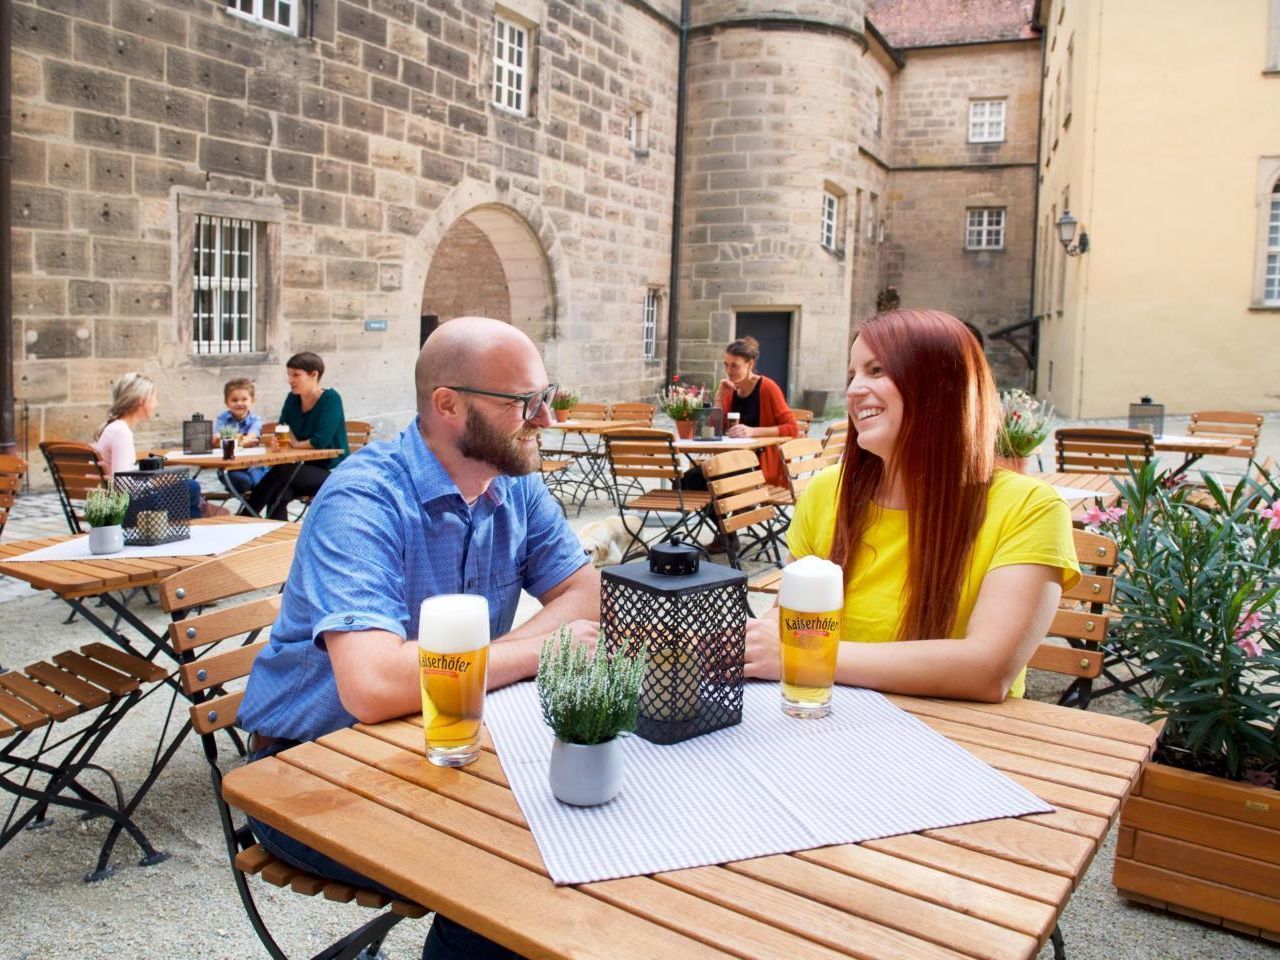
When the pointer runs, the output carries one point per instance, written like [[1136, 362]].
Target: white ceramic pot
[[586, 774], [106, 539]]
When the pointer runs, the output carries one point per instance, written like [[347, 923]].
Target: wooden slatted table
[[1192, 449], [247, 458], [454, 840]]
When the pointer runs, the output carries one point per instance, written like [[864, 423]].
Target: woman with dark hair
[[938, 547], [315, 418], [762, 409]]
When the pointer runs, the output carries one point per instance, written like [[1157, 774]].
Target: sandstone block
[[144, 17], [39, 121], [34, 296], [155, 177], [272, 91], [205, 74], [362, 23], [177, 144], [320, 104], [125, 338], [226, 44], [116, 50], [43, 339], [234, 158], [340, 243], [143, 299], [348, 145], [363, 182], [61, 254], [333, 175], [294, 168], [30, 162], [232, 122], [113, 132], [112, 216], [77, 86], [39, 208], [88, 297], [363, 214], [40, 31], [151, 101], [130, 259], [41, 382], [351, 275], [362, 116], [379, 60], [390, 94], [323, 208]]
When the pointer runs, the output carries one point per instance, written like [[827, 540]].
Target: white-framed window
[[649, 326], [510, 66], [873, 216], [879, 111], [830, 219], [638, 129], [1271, 278], [1273, 37], [223, 307], [984, 229], [278, 14], [986, 121]]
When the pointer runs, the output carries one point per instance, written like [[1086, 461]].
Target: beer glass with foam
[[811, 604], [453, 659]]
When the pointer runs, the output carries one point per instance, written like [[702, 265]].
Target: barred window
[[222, 315], [986, 121], [510, 65], [985, 229], [1271, 282], [279, 14], [638, 130], [650, 324]]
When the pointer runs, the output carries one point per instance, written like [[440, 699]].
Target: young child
[[238, 395]]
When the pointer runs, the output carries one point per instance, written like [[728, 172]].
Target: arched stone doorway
[[490, 263]]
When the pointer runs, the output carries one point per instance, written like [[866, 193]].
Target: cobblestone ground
[[187, 907]]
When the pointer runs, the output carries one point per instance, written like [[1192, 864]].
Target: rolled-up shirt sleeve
[[553, 551]]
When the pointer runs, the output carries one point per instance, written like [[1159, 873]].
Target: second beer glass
[[453, 658], [811, 602]]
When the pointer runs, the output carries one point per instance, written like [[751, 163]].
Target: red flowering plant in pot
[[1197, 590], [678, 400], [1024, 424]]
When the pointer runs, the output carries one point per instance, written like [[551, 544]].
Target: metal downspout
[[7, 444], [677, 200]]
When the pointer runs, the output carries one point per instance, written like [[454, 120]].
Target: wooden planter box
[[1204, 847]]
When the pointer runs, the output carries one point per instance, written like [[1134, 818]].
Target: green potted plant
[[1024, 424], [588, 699], [1197, 598], [564, 401], [679, 400], [104, 511]]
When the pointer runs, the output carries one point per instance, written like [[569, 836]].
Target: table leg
[[230, 488], [283, 495], [1172, 478]]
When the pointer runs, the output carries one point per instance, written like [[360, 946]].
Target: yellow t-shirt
[[1026, 522]]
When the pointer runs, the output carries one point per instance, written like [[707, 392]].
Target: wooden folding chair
[[12, 470], [1245, 428], [636, 455], [590, 411], [1102, 450], [54, 716], [638, 412], [359, 433], [804, 459], [742, 502], [1082, 621], [207, 680], [834, 440], [76, 469], [804, 420]]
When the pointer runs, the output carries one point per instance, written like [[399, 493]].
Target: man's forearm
[[514, 655]]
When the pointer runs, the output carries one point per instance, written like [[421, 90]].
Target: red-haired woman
[[938, 547]]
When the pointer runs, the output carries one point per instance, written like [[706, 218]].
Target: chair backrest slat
[[804, 459], [206, 628], [1101, 450], [804, 420], [265, 566], [740, 495], [359, 433], [76, 469], [12, 470], [640, 412], [216, 669], [834, 440], [590, 411]]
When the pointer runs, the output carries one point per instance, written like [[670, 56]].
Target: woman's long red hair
[[945, 455]]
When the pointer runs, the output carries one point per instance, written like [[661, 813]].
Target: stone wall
[[357, 147]]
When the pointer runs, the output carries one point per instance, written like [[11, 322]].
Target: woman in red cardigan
[[762, 409]]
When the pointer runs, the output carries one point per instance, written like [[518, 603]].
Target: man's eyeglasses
[[530, 403]]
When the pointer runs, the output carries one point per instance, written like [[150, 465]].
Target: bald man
[[451, 505]]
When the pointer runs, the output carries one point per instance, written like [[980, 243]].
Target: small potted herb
[[562, 403], [104, 510], [587, 700], [1024, 423]]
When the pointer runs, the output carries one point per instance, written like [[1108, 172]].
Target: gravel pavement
[[187, 907]]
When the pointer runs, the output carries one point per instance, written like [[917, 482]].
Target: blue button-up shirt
[[388, 529]]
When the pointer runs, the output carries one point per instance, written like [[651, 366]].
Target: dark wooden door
[[773, 330], [427, 327]]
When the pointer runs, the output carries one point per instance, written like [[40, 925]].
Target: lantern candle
[[152, 524], [671, 682]]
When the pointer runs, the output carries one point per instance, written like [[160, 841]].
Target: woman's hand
[[740, 431], [763, 658]]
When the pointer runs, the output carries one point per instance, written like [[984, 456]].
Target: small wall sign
[[375, 326]]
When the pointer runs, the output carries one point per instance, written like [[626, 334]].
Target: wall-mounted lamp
[[1067, 233]]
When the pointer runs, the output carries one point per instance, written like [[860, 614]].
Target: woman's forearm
[[956, 669]]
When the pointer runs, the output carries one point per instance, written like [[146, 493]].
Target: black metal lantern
[[692, 620], [1148, 416], [159, 506], [708, 423], [197, 434]]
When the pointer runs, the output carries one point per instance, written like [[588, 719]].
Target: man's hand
[[585, 633], [763, 658]]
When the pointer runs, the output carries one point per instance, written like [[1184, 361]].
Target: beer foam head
[[453, 623], [813, 585]]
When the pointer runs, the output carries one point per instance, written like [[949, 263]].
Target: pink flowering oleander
[[1251, 646], [1096, 516], [1273, 514], [1250, 624]]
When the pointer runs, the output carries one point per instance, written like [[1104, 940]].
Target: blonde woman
[[133, 401]]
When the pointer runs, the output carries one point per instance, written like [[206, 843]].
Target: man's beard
[[482, 441]]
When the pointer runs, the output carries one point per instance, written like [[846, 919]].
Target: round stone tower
[[786, 102]]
